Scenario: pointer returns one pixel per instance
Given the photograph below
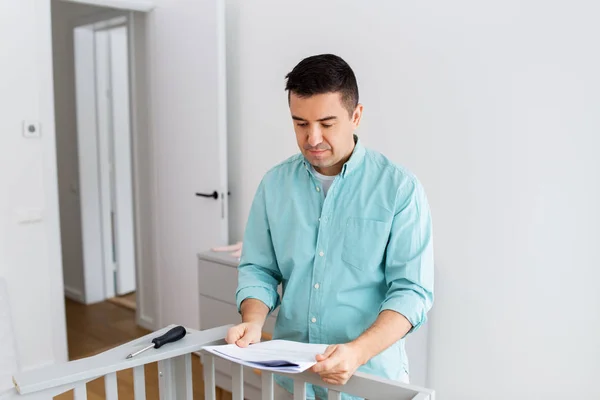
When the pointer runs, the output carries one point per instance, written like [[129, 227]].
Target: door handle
[[214, 195]]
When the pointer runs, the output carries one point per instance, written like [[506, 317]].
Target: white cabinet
[[217, 283]]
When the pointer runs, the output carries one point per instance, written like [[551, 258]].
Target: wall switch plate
[[31, 129], [29, 215]]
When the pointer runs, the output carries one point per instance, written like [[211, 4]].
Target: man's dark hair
[[324, 73]]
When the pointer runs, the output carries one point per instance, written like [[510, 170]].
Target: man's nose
[[315, 137]]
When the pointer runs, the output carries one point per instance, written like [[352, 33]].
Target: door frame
[[146, 190], [130, 5]]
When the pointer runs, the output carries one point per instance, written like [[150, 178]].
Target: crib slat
[[184, 376], [208, 365], [110, 386], [80, 392], [139, 383], [299, 390], [237, 381], [175, 378], [165, 389], [267, 385], [333, 395]]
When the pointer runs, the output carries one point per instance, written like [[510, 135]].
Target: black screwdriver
[[171, 336]]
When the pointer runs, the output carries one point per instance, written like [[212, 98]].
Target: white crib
[[175, 374]]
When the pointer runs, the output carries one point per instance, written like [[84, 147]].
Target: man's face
[[324, 130]]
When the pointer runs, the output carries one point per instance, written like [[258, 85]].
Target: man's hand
[[254, 313], [235, 249], [339, 362], [244, 334]]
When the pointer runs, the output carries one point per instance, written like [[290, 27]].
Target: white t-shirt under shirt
[[325, 180]]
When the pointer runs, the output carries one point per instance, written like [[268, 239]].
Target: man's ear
[[357, 115]]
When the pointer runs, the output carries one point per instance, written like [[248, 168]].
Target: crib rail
[[175, 375]]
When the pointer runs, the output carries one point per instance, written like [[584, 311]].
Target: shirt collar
[[355, 160]]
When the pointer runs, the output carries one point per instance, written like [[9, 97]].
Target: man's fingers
[[328, 352], [334, 377], [318, 367], [323, 366], [331, 381], [230, 247], [244, 341], [243, 334], [247, 339], [329, 375], [335, 365], [233, 335], [335, 381], [326, 361]]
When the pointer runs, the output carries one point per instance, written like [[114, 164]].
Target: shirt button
[[317, 286], [318, 189], [313, 320], [321, 254]]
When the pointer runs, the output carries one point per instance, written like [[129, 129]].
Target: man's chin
[[319, 163], [320, 160]]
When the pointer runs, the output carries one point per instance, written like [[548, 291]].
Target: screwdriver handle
[[171, 336]]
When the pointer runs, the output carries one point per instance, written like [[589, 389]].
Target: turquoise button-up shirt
[[342, 259]]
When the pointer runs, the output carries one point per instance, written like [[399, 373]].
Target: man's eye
[[302, 124], [327, 125]]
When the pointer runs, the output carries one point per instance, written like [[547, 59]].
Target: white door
[[123, 223], [104, 136], [89, 169], [188, 121]]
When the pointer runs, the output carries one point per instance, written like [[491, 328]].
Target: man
[[346, 232]]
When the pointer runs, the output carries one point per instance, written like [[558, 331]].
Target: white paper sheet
[[273, 355]]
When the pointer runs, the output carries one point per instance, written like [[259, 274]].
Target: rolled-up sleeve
[[258, 272], [409, 264]]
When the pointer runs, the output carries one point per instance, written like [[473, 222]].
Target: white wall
[[494, 105], [30, 259], [514, 176]]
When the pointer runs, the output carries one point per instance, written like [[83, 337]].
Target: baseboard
[[147, 323], [74, 294], [119, 301]]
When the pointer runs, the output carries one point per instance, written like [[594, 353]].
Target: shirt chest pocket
[[365, 241]]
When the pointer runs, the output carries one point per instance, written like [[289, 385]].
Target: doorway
[[179, 123], [105, 167], [96, 149]]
